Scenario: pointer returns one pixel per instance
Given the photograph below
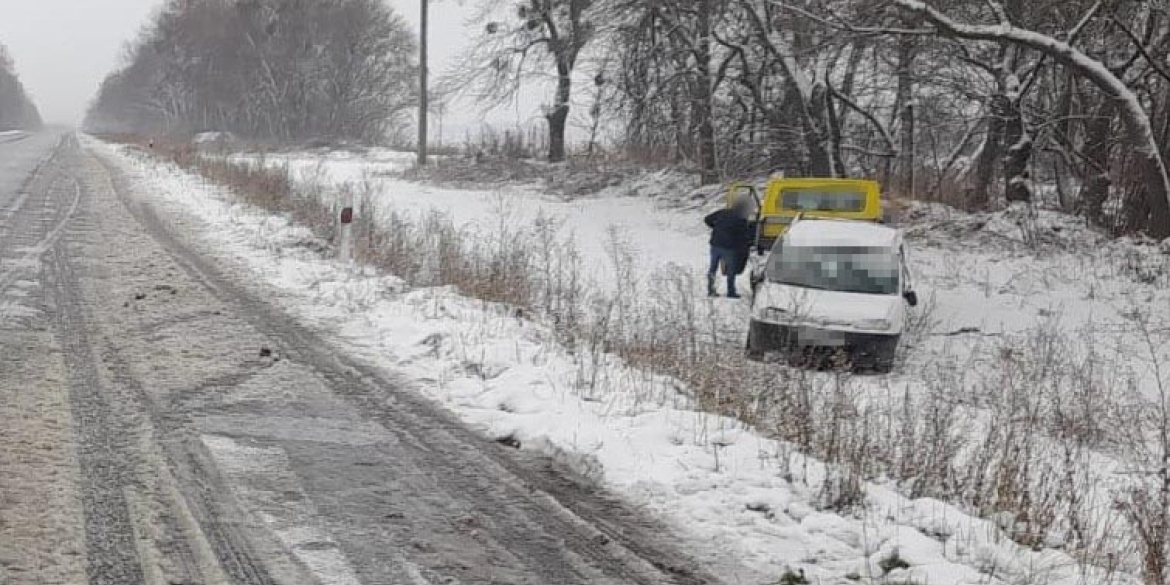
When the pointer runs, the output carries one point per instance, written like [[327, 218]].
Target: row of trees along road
[[17, 111], [973, 103], [289, 71]]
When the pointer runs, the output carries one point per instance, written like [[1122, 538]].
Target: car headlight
[[875, 324], [772, 314]]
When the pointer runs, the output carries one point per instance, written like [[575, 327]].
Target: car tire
[[886, 355], [752, 352], [752, 349]]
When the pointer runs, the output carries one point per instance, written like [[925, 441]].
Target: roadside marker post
[[346, 234]]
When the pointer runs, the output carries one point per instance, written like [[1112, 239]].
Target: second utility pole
[[422, 75]]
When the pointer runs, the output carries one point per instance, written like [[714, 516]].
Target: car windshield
[[837, 268]]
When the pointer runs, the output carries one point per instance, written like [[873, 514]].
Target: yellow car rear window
[[819, 200]]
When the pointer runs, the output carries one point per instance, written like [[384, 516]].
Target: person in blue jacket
[[732, 232]]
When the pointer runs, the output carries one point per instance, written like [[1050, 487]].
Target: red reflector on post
[[347, 215]]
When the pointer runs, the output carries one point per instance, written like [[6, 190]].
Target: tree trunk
[[1017, 182], [558, 118], [556, 134], [819, 134], [1098, 151], [849, 81], [708, 159], [989, 155], [905, 100], [1063, 135], [1153, 171], [704, 110], [834, 128], [681, 139]]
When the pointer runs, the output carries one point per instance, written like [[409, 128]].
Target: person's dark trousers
[[730, 262]]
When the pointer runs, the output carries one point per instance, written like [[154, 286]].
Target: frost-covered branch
[[884, 131], [1137, 122], [1154, 63]]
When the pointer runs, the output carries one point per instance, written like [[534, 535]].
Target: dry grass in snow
[[1047, 433]]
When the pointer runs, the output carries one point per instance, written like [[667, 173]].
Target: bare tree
[[987, 100], [974, 103], [279, 70], [540, 35], [790, 50], [673, 72], [1131, 110]]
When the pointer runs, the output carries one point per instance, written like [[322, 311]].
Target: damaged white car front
[[830, 289]]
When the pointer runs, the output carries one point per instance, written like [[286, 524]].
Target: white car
[[836, 284]]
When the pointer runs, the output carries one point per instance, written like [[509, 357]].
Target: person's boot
[[731, 294], [711, 286]]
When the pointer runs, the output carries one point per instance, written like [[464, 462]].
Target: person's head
[[743, 207]]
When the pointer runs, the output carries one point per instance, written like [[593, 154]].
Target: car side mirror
[[911, 298]]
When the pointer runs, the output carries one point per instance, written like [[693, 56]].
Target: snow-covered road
[[41, 514], [163, 421]]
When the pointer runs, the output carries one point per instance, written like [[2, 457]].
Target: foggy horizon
[[63, 49]]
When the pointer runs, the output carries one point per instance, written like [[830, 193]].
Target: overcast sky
[[64, 48]]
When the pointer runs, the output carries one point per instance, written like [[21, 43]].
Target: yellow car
[[784, 199]]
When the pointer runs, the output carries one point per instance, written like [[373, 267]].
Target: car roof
[[841, 232]]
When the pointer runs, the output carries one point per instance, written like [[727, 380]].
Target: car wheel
[[800, 357], [752, 349], [885, 356]]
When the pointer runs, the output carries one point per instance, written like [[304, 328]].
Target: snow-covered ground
[[750, 498], [982, 277]]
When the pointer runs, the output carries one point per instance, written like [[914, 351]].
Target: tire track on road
[[110, 541], [188, 530], [34, 252], [556, 530], [29, 183], [112, 552], [136, 525], [42, 532]]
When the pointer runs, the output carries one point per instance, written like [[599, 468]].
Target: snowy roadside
[[983, 274], [709, 476]]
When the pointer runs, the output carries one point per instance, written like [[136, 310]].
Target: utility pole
[[422, 85]]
